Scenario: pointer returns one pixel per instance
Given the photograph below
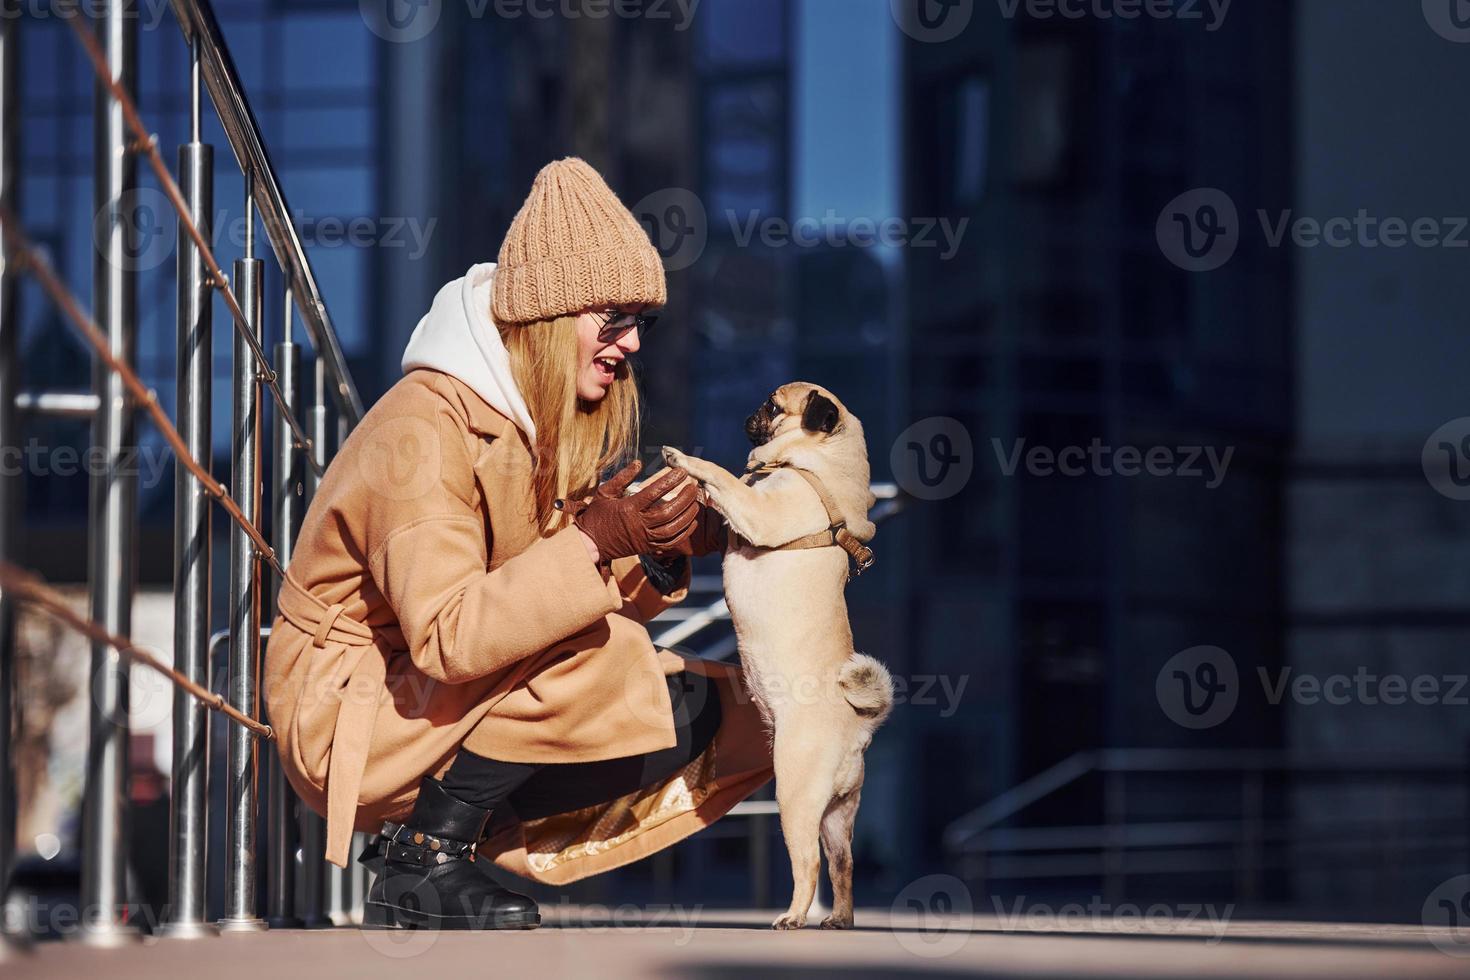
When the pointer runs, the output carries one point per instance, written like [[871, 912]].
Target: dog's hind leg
[[802, 797], [837, 842]]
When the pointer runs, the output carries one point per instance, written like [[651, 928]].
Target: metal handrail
[[117, 397], [201, 30], [961, 834]]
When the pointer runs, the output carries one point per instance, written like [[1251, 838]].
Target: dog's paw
[[789, 921], [674, 458], [836, 922]]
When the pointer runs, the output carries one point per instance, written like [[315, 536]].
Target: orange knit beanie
[[574, 247]]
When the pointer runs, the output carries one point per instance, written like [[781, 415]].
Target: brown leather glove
[[641, 524], [711, 533]]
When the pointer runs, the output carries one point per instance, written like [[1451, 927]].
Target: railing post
[[113, 518], [188, 828], [1252, 860], [285, 509], [10, 483], [242, 760], [1115, 807], [759, 830], [356, 877], [319, 909]]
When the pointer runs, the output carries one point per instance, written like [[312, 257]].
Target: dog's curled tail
[[868, 687]]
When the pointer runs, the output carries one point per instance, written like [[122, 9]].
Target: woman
[[460, 657]]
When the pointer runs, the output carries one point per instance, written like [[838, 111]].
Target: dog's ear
[[820, 414]]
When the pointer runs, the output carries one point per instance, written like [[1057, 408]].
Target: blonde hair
[[576, 441]]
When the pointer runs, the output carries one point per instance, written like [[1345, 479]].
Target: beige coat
[[422, 612]]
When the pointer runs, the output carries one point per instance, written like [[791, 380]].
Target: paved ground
[[719, 945]]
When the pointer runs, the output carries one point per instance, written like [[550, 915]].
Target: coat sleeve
[[459, 620], [644, 600]]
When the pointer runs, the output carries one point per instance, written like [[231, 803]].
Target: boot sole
[[379, 916]]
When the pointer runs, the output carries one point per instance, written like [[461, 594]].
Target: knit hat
[[574, 247]]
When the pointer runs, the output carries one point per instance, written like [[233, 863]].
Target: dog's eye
[[771, 407]]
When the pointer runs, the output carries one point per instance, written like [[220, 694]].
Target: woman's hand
[[618, 526], [711, 533]]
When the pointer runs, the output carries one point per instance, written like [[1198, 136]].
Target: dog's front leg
[[755, 515]]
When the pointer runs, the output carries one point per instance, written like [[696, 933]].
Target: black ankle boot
[[430, 879]]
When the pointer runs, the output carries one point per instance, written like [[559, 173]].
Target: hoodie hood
[[458, 338]]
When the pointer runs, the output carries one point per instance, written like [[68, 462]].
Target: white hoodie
[[458, 337]]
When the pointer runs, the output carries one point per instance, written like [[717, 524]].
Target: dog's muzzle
[[757, 430]]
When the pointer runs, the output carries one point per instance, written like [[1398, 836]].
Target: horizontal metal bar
[[1305, 852], [223, 636], [754, 808], [1182, 763], [64, 404], [697, 621], [1162, 835], [197, 21]]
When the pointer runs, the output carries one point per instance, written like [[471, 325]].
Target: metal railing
[[112, 407], [1249, 831]]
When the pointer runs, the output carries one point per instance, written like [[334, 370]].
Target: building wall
[[1061, 322], [1377, 580]]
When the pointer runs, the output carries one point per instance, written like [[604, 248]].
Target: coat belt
[[360, 683]]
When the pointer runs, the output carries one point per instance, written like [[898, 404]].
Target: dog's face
[[799, 405]]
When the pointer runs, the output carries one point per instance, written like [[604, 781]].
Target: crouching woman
[[461, 660]]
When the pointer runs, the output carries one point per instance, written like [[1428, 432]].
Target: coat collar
[[481, 418]]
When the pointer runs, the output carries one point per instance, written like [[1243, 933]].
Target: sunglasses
[[616, 323]]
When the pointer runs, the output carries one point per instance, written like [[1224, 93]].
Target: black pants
[[534, 791]]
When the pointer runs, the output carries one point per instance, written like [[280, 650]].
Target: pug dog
[[821, 700]]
